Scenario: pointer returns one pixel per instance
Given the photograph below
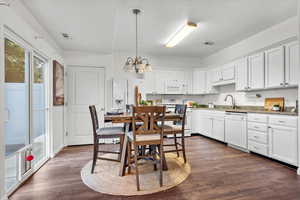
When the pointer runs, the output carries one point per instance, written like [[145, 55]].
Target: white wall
[[269, 37], [20, 21], [248, 98], [114, 67]]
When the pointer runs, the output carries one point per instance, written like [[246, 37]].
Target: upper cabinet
[[199, 82], [274, 67], [241, 74], [291, 64], [223, 75], [256, 71]]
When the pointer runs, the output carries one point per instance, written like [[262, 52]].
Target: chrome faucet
[[232, 100]]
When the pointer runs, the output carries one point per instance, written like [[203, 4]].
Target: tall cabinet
[[274, 67]]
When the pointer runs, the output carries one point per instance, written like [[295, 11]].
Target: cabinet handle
[[256, 127], [281, 121], [281, 84], [286, 83]]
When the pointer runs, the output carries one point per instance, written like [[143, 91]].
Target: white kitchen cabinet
[[218, 128], [236, 130], [274, 67], [199, 82], [256, 65], [197, 121], [223, 75], [228, 72], [283, 144], [241, 78], [210, 89], [292, 64], [216, 75], [206, 128]]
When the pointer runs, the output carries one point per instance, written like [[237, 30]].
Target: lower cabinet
[[218, 128], [283, 144]]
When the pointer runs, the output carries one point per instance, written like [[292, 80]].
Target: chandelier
[[137, 64]]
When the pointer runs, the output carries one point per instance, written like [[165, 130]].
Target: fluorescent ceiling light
[[181, 34]]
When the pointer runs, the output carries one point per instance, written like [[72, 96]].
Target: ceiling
[[105, 26]]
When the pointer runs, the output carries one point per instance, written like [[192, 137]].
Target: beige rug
[[106, 178]]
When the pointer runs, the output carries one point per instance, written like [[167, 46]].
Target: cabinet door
[[216, 75], [196, 121], [291, 64], [241, 76], [256, 71], [218, 129], [206, 126], [199, 82], [209, 85], [228, 72], [283, 144], [274, 67]]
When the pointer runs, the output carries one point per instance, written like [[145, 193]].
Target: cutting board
[[270, 102]]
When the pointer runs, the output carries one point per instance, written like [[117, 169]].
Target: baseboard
[[298, 171], [56, 152]]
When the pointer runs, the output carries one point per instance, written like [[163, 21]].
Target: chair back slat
[[181, 110], [95, 121], [146, 118]]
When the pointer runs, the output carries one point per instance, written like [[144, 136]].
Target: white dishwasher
[[236, 129]]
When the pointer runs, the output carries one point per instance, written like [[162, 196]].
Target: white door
[[218, 129], [256, 71], [274, 68], [86, 86], [241, 74], [283, 144], [292, 63]]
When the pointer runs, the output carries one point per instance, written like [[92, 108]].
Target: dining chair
[[146, 132], [177, 130], [104, 133]]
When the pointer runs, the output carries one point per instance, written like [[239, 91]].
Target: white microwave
[[174, 87]]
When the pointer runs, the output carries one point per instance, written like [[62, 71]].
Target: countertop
[[246, 109]]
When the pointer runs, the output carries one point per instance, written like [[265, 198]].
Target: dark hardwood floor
[[218, 173]]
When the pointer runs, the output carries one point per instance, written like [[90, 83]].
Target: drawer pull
[[256, 136], [256, 127], [281, 121]]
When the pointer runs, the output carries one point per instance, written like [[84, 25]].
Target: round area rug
[[106, 177]]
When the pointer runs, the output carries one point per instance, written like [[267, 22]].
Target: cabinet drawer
[[258, 148], [257, 126], [258, 137], [284, 121], [257, 118]]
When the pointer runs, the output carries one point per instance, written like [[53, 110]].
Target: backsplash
[[241, 98]]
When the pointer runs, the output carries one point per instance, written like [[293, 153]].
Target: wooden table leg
[[165, 166], [124, 154]]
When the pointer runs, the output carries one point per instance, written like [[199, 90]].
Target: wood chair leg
[[176, 146], [95, 155], [183, 147], [161, 153], [121, 147], [129, 157], [136, 167]]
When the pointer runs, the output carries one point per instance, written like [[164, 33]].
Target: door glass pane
[[16, 108], [16, 97], [38, 98]]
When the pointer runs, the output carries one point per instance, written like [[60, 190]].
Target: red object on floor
[[30, 158]]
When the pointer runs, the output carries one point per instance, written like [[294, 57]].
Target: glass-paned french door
[[25, 106]]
